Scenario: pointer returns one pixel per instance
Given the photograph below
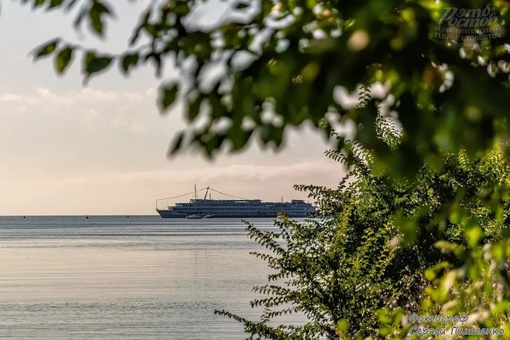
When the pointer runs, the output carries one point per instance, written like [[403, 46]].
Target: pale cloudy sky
[[101, 149]]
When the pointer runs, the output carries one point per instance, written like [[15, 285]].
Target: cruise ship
[[241, 208]]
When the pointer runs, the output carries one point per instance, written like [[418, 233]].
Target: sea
[[127, 277]]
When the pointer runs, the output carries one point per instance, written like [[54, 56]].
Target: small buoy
[[128, 216], [24, 217], [87, 217]]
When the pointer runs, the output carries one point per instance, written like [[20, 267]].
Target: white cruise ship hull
[[237, 209]]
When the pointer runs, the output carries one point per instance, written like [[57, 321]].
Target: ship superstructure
[[207, 207]]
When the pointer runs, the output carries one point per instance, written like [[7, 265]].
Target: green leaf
[[342, 326], [156, 59], [96, 24], [473, 234], [141, 25], [239, 138], [168, 96], [241, 6], [194, 108], [501, 307], [79, 17], [129, 61], [94, 64], [430, 275], [176, 144], [46, 49], [63, 58], [38, 3], [55, 3], [446, 285], [96, 14]]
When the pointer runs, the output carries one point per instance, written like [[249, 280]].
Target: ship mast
[[196, 195], [205, 196]]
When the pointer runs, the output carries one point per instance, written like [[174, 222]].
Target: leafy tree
[[353, 268], [445, 65], [476, 283]]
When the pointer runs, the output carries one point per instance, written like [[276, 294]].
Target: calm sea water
[[125, 278]]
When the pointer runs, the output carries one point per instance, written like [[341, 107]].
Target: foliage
[[475, 281], [283, 62], [353, 271]]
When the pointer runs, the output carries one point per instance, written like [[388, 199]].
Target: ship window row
[[243, 208], [234, 207], [239, 205], [237, 209]]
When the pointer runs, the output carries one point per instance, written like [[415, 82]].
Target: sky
[[70, 149]]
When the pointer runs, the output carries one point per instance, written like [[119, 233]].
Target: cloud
[[85, 95], [260, 173], [121, 110], [20, 99]]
